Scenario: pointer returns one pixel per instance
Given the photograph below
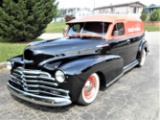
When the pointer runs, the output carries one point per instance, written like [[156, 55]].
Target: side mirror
[[115, 33], [64, 32]]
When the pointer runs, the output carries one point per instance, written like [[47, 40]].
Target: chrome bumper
[[41, 100]]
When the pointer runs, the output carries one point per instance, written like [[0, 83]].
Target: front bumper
[[41, 100]]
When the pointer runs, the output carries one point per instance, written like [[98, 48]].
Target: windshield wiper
[[84, 35]]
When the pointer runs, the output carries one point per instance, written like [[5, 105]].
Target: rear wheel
[[142, 58], [90, 90]]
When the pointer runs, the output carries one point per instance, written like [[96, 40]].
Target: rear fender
[[143, 45]]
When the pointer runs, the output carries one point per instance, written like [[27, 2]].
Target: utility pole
[[93, 6]]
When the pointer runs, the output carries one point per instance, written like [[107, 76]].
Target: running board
[[130, 66], [115, 79], [125, 69]]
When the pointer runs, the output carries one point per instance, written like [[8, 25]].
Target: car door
[[120, 43]]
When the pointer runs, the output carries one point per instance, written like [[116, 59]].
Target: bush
[[155, 16], [68, 18], [24, 20], [143, 16]]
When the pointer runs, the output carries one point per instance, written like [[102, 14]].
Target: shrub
[[24, 20], [143, 16], [68, 18], [155, 16]]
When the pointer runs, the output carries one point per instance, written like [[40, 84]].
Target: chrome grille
[[37, 82]]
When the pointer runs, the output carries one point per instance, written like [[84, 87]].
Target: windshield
[[88, 28]]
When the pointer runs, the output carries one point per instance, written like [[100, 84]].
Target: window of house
[[118, 29], [134, 11]]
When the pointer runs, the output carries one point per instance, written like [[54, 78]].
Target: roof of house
[[104, 18], [150, 7], [133, 4]]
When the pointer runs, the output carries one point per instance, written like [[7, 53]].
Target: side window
[[77, 28], [74, 29], [118, 29]]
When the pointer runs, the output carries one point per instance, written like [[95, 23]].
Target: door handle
[[128, 40]]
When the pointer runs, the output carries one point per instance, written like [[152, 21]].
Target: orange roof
[[104, 18]]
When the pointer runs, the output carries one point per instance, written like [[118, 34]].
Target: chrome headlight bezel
[[9, 65], [60, 76]]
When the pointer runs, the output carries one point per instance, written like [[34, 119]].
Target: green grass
[[8, 50], [56, 27], [152, 28]]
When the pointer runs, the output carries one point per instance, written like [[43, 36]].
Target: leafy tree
[[24, 20], [143, 16], [155, 15], [68, 18]]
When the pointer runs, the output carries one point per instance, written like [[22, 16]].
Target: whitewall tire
[[90, 90], [142, 58]]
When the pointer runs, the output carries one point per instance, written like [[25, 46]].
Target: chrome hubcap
[[90, 87]]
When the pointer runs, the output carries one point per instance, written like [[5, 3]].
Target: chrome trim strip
[[130, 66], [17, 75], [34, 86], [41, 100], [114, 80], [46, 87], [49, 93], [38, 77], [19, 71], [105, 45], [15, 82], [125, 69], [33, 72], [40, 82], [15, 78]]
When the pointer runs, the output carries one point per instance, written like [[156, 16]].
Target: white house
[[82, 13], [132, 8], [78, 12]]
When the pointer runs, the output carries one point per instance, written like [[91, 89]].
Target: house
[[151, 8], [132, 8], [78, 12]]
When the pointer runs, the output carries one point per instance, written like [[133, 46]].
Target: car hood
[[64, 47]]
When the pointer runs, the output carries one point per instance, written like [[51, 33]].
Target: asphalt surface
[[135, 96]]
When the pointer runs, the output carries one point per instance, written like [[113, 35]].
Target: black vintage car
[[95, 52]]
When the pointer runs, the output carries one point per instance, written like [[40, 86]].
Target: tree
[[68, 18], [155, 16], [25, 20], [143, 16]]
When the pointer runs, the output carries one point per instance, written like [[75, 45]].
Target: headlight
[[9, 65], [60, 77]]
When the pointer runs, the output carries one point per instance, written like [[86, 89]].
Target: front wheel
[[90, 90], [142, 58]]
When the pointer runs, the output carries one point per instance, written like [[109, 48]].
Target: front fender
[[77, 71], [16, 61], [83, 65]]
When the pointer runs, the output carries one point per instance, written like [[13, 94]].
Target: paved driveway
[[134, 97]]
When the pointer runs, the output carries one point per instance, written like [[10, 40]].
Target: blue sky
[[99, 3]]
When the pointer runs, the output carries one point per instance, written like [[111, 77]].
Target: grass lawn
[[8, 50], [152, 28], [56, 27]]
